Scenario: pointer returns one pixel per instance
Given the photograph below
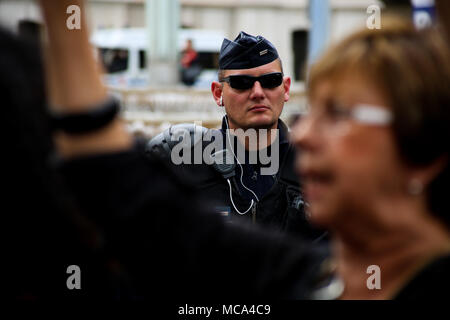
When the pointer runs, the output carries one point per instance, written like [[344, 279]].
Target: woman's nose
[[304, 133]]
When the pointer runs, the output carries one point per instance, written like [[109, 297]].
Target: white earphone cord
[[237, 160], [232, 202]]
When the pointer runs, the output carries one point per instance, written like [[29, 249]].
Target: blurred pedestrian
[[98, 204], [190, 67], [374, 161], [43, 228]]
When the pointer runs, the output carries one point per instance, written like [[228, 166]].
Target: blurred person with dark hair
[[99, 204], [375, 160], [43, 227]]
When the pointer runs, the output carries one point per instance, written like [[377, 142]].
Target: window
[[114, 60], [142, 59], [300, 46]]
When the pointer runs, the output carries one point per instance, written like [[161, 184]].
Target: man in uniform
[[252, 89]]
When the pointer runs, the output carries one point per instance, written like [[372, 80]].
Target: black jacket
[[279, 204], [160, 243]]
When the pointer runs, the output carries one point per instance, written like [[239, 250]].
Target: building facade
[[286, 23]]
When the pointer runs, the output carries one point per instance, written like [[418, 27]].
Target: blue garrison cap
[[245, 52]]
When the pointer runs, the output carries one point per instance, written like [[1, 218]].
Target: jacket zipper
[[254, 212]]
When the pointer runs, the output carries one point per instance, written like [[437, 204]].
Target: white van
[[124, 54]]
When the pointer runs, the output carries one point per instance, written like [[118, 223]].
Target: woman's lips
[[313, 191], [314, 184]]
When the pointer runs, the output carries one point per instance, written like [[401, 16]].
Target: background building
[[300, 29], [285, 22]]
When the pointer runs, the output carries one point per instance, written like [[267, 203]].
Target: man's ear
[[287, 86], [216, 90]]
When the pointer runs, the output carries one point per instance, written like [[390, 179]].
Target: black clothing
[[164, 246], [132, 230], [41, 230], [431, 283], [251, 174], [280, 204]]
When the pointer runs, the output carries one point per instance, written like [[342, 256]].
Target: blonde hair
[[412, 70]]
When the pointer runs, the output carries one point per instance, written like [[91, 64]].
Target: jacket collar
[[283, 130]]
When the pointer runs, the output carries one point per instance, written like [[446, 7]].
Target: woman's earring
[[221, 102], [415, 187]]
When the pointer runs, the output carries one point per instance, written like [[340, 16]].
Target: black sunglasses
[[244, 82]]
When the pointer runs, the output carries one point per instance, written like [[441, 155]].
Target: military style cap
[[245, 52]]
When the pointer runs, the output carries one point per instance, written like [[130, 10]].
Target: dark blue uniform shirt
[[251, 176]]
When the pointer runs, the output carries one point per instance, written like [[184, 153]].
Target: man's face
[[256, 107]]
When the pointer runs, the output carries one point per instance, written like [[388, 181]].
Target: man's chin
[[261, 122]]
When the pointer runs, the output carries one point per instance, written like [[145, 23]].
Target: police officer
[[252, 89]]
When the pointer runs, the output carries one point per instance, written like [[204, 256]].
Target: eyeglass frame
[[362, 113], [254, 79]]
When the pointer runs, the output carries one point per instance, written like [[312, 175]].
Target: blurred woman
[[374, 160]]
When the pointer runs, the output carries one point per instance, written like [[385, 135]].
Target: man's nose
[[257, 91]]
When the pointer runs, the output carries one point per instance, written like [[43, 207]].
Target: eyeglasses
[[336, 116], [361, 113], [245, 82]]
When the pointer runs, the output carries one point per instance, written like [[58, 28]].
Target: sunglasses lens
[[245, 82], [241, 82], [270, 81]]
